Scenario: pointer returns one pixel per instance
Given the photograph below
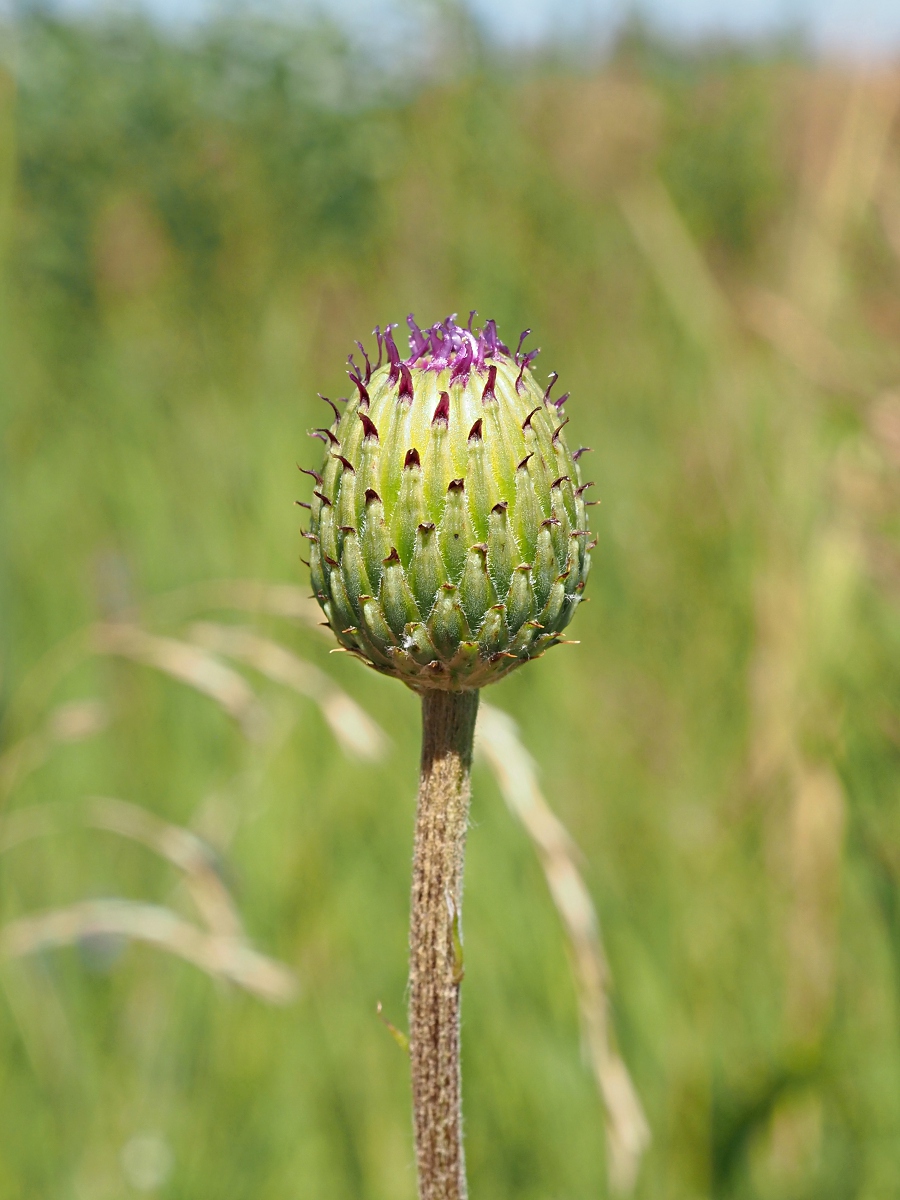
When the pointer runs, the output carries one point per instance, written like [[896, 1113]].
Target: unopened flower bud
[[448, 535]]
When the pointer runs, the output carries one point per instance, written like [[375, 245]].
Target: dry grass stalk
[[837, 200], [180, 847], [188, 664], [221, 949], [354, 729], [817, 835], [242, 595], [694, 295], [793, 335], [221, 956], [72, 722], [627, 1131]]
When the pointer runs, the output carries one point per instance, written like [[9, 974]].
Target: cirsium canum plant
[[448, 546]]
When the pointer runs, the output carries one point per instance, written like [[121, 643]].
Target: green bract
[[449, 539]]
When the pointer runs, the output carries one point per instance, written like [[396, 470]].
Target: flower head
[[448, 534]]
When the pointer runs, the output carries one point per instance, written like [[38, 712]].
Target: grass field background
[[707, 247]]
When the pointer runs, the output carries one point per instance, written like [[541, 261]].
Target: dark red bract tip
[[315, 474], [362, 351], [558, 430], [581, 450], [393, 353], [372, 496], [356, 376], [412, 458], [456, 485], [524, 463], [501, 507], [393, 557], [324, 435], [334, 407], [442, 412], [368, 425], [475, 432], [406, 384], [345, 463], [488, 393], [526, 424]]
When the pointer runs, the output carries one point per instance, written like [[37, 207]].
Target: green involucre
[[448, 540]]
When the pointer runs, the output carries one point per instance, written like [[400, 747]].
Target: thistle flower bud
[[448, 534]]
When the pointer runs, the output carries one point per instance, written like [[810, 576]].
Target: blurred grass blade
[[244, 595], [837, 200], [188, 664], [224, 957], [627, 1132], [791, 332], [686, 281], [817, 826], [180, 847], [354, 729], [74, 721]]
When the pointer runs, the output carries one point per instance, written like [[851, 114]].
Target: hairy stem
[[435, 941]]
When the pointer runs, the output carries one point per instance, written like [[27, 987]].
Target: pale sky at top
[[867, 27]]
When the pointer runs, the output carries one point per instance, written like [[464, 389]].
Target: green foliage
[[199, 231]]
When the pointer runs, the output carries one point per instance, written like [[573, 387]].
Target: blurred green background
[[707, 245]]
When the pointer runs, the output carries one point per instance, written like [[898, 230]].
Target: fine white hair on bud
[[448, 534]]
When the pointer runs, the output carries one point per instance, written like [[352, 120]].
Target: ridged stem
[[435, 946]]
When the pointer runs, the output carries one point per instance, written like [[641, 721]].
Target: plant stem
[[435, 945]]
